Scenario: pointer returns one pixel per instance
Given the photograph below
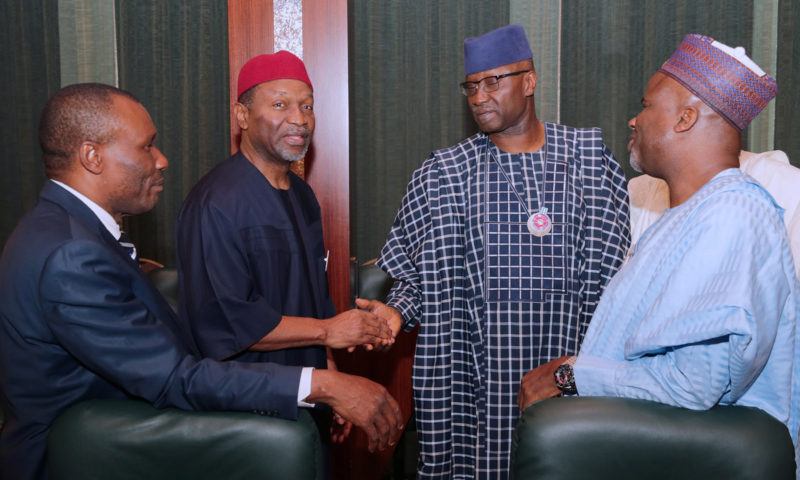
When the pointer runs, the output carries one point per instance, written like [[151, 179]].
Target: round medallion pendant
[[539, 223]]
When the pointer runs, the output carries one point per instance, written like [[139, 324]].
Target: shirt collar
[[105, 218]]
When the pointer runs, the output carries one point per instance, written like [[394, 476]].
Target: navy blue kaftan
[[249, 253], [492, 300]]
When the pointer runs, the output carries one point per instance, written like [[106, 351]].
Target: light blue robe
[[705, 310]]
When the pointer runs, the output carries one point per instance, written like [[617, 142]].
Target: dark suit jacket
[[79, 320]]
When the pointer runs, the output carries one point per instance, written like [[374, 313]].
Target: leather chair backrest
[[620, 439], [129, 439]]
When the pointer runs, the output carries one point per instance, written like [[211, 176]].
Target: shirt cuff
[[596, 377], [304, 389]]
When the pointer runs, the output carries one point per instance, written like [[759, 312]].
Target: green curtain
[[30, 74], [787, 103], [86, 32], [406, 61], [611, 48], [541, 20], [174, 57]]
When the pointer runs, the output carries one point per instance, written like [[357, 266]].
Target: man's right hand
[[393, 318], [357, 327], [363, 402]]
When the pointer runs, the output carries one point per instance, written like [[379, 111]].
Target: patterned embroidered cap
[[725, 78], [499, 47]]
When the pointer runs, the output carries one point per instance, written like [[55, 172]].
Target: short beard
[[636, 165], [288, 157]]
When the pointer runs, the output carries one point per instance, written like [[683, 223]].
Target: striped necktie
[[126, 243]]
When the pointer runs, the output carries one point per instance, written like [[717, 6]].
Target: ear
[[530, 80], [687, 119], [241, 112], [90, 157]]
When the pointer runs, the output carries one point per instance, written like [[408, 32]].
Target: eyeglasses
[[490, 83]]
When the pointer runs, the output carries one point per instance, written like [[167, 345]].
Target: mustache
[[480, 111], [299, 131]]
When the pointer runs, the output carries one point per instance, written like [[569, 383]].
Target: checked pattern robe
[[492, 300]]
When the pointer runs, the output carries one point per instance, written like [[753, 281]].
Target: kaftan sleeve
[[405, 244], [225, 311], [606, 222], [710, 322]]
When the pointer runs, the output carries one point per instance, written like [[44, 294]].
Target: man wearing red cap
[[705, 310], [249, 242]]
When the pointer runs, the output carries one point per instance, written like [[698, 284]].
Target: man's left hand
[[539, 383]]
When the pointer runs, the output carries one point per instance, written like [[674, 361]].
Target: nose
[[299, 116], [480, 96], [161, 159], [632, 123]]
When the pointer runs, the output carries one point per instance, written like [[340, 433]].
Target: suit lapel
[[54, 193]]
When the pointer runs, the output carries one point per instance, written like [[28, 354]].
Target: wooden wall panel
[[327, 166], [250, 33]]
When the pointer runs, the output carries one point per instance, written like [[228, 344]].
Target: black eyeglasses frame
[[466, 87]]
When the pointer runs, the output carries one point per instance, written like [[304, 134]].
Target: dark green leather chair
[[620, 439], [128, 439]]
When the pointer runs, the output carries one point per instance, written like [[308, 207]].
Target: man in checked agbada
[[705, 310], [501, 249]]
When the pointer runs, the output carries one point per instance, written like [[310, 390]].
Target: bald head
[[73, 115]]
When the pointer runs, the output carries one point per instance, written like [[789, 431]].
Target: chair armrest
[[594, 437], [128, 439]]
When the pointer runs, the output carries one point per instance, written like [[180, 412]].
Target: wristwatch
[[565, 377]]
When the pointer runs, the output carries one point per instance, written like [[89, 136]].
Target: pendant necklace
[[539, 223]]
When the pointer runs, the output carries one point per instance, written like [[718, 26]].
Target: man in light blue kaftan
[[493, 296], [705, 310]]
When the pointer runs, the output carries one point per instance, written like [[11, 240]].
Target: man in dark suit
[[79, 319]]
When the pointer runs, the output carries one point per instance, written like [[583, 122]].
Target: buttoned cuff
[[595, 376]]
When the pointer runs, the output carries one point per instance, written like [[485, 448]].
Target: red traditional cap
[[268, 67]]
